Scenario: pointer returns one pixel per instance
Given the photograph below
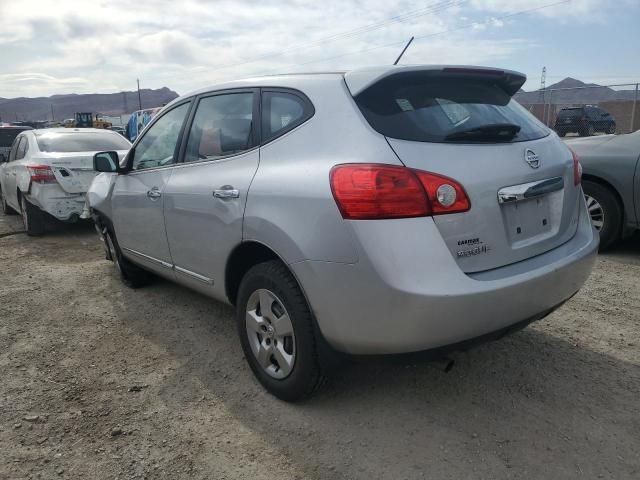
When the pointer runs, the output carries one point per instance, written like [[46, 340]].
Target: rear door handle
[[226, 191], [154, 193]]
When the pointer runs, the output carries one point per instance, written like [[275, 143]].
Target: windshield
[[7, 135], [81, 142], [435, 109]]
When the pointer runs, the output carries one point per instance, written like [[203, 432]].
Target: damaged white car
[[49, 171]]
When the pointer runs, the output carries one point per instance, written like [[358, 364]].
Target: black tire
[[612, 222], [561, 133], [6, 209], [33, 219], [312, 354], [612, 128], [131, 275]]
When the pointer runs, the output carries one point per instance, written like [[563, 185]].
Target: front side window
[[157, 148], [281, 112], [221, 127]]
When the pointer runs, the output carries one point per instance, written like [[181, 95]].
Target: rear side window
[[283, 111], [221, 127], [570, 113], [22, 148], [81, 142], [431, 109]]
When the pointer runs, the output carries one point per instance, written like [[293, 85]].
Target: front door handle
[[226, 191], [154, 193]]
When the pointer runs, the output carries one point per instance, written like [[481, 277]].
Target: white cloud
[[101, 46]]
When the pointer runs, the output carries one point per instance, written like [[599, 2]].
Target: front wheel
[[33, 218], [612, 129], [605, 212], [277, 332], [131, 275]]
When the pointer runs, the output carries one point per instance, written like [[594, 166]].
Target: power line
[[462, 27], [410, 15]]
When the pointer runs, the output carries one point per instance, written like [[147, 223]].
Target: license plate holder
[[533, 219]]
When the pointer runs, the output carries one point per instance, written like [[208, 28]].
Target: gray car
[[611, 183], [378, 211]]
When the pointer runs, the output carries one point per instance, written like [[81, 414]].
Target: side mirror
[[3, 158], [106, 162]]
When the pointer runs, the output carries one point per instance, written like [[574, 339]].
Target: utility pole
[[52, 117], [543, 86], [139, 97]]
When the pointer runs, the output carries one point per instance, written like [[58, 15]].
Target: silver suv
[[378, 211]]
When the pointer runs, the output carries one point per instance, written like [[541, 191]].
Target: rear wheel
[[33, 218], [562, 133], [612, 128], [277, 332], [605, 212], [131, 275]]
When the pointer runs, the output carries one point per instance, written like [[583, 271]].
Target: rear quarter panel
[[614, 160], [290, 206]]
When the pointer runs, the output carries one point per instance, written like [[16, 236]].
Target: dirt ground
[[99, 381]]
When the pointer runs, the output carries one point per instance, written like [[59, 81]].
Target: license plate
[[528, 221], [567, 121]]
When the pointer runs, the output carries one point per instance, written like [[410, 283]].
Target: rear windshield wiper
[[501, 132]]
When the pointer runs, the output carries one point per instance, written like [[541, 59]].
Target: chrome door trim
[[524, 191], [150, 258], [195, 275]]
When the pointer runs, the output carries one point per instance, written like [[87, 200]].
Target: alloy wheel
[[270, 333], [596, 212]]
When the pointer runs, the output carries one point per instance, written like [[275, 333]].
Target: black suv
[[7, 134], [585, 121]]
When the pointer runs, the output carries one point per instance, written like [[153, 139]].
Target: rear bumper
[[407, 293], [56, 202]]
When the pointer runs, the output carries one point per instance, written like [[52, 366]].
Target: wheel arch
[[606, 184], [244, 256]]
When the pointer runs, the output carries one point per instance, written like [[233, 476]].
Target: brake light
[[577, 168], [41, 174], [373, 191]]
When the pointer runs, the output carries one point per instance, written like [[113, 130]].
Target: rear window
[[570, 112], [8, 135], [81, 142], [429, 109]]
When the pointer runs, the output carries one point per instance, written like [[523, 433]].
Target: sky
[[90, 46]]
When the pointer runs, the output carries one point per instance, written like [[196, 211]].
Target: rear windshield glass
[[430, 109], [7, 135], [570, 112], [81, 142]]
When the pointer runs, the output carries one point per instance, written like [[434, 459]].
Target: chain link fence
[[586, 110]]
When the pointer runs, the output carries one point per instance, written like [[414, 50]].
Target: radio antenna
[[403, 50]]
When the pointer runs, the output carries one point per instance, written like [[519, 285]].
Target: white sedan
[[48, 172]]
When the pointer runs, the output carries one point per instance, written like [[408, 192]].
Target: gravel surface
[[99, 381]]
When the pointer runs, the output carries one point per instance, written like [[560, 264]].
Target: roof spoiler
[[508, 80]]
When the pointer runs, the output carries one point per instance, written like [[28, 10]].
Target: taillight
[[41, 174], [373, 191], [577, 168]]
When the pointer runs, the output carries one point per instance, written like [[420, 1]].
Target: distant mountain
[[578, 96], [64, 106]]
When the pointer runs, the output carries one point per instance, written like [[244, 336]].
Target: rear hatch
[[569, 117], [463, 124]]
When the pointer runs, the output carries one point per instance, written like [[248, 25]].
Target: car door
[[206, 194], [137, 198], [18, 151]]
